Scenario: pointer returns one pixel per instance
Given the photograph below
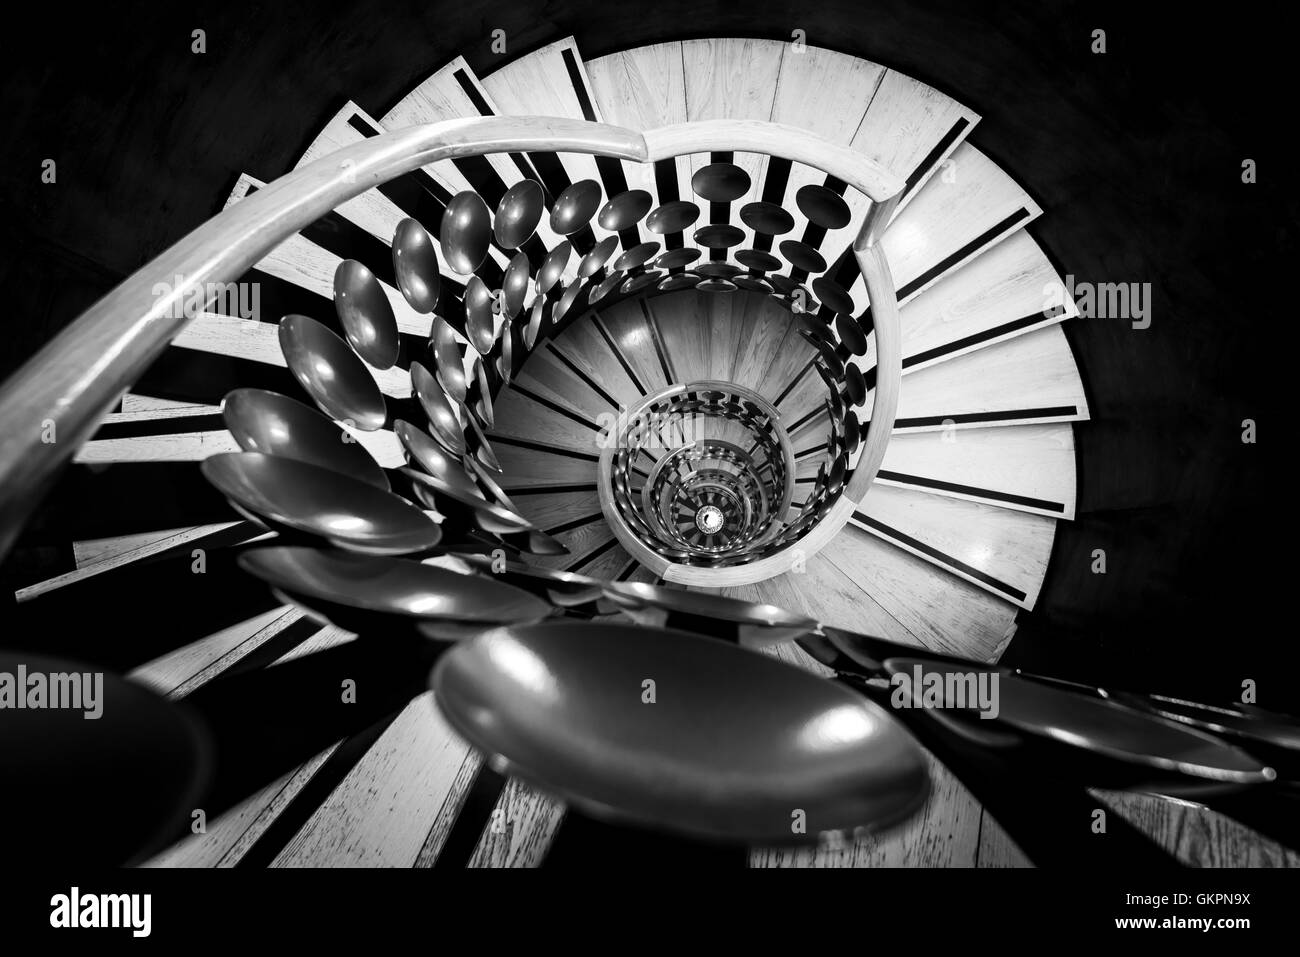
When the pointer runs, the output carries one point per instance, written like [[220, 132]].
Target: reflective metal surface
[[443, 421], [483, 405], [785, 284], [390, 586], [761, 624], [575, 206], [851, 334], [422, 450], [482, 474], [268, 422], [766, 218], [447, 358], [683, 280], [675, 258], [823, 207], [640, 281], [561, 706], [852, 432], [718, 270], [855, 385], [428, 487], [515, 284], [568, 300], [605, 287], [625, 210], [672, 217], [466, 232], [480, 316], [308, 498], [492, 518], [1100, 726], [365, 314], [505, 361], [638, 255], [753, 284], [553, 266], [500, 520], [813, 323], [518, 214], [595, 260], [333, 375], [803, 256], [719, 236], [720, 182], [833, 295], [826, 354], [757, 259], [1235, 721], [536, 316], [415, 263], [566, 589]]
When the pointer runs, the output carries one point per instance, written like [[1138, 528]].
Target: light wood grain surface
[[966, 538], [1036, 371]]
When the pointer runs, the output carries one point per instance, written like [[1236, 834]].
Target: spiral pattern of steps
[[951, 542]]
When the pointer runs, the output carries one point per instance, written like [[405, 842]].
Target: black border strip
[[593, 555], [1003, 416], [670, 376], [958, 344], [471, 820], [933, 552], [174, 425], [796, 426], [556, 489], [794, 382], [555, 407], [932, 157], [983, 239], [1008, 497], [575, 523], [599, 323], [669, 191], [309, 798], [582, 376], [479, 103], [609, 168], [543, 447]]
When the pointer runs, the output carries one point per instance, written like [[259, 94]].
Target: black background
[[1135, 156]]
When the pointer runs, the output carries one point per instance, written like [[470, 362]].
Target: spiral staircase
[[692, 386]]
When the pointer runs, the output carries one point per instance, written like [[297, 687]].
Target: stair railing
[[631, 515], [53, 403]]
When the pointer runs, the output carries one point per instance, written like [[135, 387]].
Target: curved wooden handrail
[[889, 368], [53, 403]]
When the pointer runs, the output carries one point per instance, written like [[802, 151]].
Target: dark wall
[[1135, 155]]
